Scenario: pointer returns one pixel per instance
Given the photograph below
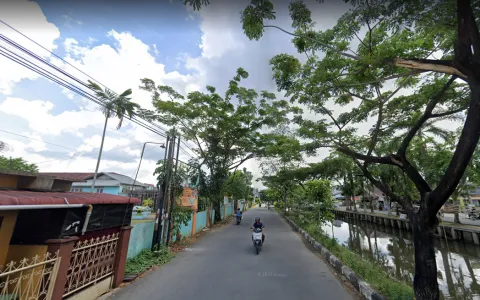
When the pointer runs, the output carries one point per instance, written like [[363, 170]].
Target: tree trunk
[[350, 177], [456, 218], [425, 283], [217, 207], [99, 156]]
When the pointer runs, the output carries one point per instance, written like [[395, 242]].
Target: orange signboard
[[189, 198]]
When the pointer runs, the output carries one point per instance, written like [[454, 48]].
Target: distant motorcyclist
[[260, 225], [239, 213]]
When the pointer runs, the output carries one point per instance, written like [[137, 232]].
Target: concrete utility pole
[[159, 204], [172, 200], [168, 181]]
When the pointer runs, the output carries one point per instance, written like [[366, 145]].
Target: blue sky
[[118, 43], [161, 23]]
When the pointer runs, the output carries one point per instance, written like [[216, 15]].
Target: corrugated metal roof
[[123, 179], [14, 197], [78, 177], [70, 176], [98, 183]]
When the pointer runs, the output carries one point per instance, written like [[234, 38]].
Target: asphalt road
[[223, 265]]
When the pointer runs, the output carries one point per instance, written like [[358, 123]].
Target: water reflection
[[458, 263]]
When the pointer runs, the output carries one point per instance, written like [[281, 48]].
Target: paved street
[[222, 265], [446, 218]]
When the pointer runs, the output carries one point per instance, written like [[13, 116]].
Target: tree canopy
[[17, 164], [404, 64], [226, 130]]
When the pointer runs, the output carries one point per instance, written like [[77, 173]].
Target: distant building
[[475, 197], [337, 194], [106, 182]]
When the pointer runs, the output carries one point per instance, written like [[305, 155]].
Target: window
[[100, 190], [75, 190]]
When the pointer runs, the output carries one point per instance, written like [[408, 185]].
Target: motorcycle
[[239, 219], [473, 215], [257, 239]]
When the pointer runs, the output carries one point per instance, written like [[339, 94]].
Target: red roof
[[9, 197], [69, 176]]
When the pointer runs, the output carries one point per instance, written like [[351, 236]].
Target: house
[[106, 182], [58, 243], [475, 197]]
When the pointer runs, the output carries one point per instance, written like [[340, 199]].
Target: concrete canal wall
[[461, 233]]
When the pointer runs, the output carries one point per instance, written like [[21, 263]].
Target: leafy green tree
[[400, 42], [238, 185], [17, 164], [319, 193], [282, 152], [114, 105], [184, 175], [226, 130]]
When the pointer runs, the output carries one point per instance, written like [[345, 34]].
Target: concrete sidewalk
[[223, 265]]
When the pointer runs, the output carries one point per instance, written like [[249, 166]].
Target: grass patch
[[147, 259], [372, 273]]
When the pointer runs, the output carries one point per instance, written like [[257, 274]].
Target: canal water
[[458, 263]]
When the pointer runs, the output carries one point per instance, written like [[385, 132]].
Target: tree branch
[[411, 73], [241, 161], [439, 66], [359, 97], [393, 160], [448, 113], [379, 122], [385, 160], [426, 115], [314, 40], [384, 188]]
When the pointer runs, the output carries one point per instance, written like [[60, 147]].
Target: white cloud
[[109, 144], [27, 17], [122, 67], [224, 48], [40, 120]]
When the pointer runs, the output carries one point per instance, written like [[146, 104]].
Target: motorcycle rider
[[238, 213], [259, 224]]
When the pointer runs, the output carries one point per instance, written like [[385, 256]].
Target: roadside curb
[[361, 286]]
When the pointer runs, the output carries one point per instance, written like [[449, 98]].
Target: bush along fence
[[142, 231], [364, 288]]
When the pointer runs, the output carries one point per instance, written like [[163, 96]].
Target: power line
[[67, 85], [47, 74], [55, 67], [24, 136]]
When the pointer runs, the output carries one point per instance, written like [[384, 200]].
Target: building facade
[[106, 183]]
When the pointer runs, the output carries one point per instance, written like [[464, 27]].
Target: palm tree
[[114, 106]]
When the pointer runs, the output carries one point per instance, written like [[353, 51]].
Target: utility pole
[[159, 204], [168, 181], [172, 200]]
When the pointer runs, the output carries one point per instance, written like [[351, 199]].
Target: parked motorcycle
[[239, 219], [257, 239], [473, 214]]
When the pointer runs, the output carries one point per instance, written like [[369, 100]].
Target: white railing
[[92, 260], [29, 279]]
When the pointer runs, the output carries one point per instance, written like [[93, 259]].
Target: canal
[[458, 263]]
